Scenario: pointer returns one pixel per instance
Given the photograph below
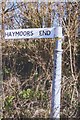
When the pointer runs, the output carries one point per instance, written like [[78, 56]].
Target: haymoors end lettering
[[29, 33], [19, 33]]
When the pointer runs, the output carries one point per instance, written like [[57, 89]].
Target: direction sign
[[29, 33], [55, 32]]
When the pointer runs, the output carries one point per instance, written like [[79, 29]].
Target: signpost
[[54, 32], [46, 33]]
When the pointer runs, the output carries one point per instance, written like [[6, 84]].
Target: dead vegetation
[[28, 68]]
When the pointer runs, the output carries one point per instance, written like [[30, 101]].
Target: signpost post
[[56, 83]]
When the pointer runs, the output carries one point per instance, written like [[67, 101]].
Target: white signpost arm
[[29, 33]]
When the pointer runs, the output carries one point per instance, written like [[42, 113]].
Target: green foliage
[[40, 95], [6, 70], [32, 95], [26, 94], [9, 102]]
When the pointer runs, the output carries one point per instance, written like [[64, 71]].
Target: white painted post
[[56, 83]]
